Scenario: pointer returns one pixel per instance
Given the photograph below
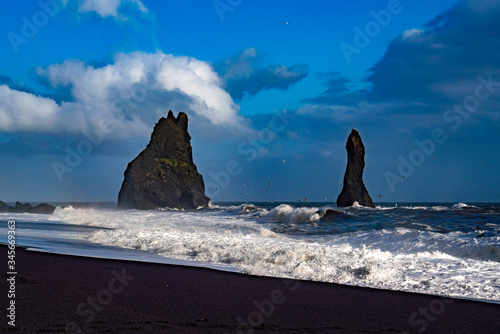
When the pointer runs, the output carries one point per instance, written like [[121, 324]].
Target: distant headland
[[42, 208]]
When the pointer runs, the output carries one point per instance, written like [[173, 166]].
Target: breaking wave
[[417, 248]]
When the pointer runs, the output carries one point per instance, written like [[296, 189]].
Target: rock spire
[[353, 188], [163, 175]]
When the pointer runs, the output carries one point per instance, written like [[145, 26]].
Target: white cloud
[[134, 92], [25, 112], [412, 32], [240, 66], [109, 7]]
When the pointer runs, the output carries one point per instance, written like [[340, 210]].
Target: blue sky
[[82, 83]]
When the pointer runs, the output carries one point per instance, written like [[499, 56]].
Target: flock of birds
[[301, 178], [271, 184]]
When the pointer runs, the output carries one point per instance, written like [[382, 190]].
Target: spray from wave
[[419, 248]]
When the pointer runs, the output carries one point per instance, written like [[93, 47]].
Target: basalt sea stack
[[354, 190], [164, 175], [42, 208]]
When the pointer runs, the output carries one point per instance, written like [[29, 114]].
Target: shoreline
[[63, 293], [205, 265]]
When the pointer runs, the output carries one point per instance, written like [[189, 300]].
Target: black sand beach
[[59, 294]]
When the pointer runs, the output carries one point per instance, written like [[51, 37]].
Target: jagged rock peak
[[164, 175], [42, 208], [354, 189]]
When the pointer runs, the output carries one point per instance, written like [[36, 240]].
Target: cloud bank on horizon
[[422, 82]]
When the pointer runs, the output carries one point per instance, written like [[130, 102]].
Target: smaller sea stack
[[354, 189]]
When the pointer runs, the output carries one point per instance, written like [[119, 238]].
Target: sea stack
[[42, 208], [354, 189], [163, 175]]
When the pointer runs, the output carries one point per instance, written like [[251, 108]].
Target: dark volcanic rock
[[330, 214], [354, 190], [43, 208], [4, 207], [163, 175], [20, 207]]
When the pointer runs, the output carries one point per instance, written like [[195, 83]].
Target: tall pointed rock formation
[[163, 175], [354, 189]]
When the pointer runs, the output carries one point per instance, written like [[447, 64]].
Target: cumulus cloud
[[133, 92], [25, 112], [243, 74], [425, 73], [5, 80], [442, 61], [429, 69], [106, 8]]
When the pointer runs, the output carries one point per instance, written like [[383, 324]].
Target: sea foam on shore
[[444, 249]]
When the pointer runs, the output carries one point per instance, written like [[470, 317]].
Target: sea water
[[447, 249]]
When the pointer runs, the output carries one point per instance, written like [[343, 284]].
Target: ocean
[[444, 249]]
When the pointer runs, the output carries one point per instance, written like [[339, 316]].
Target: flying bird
[[269, 183], [287, 22], [380, 196], [305, 199]]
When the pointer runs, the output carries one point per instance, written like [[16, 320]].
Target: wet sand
[[69, 294]]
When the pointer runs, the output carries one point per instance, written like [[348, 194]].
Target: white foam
[[454, 264], [356, 205], [424, 208], [463, 206], [288, 214]]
